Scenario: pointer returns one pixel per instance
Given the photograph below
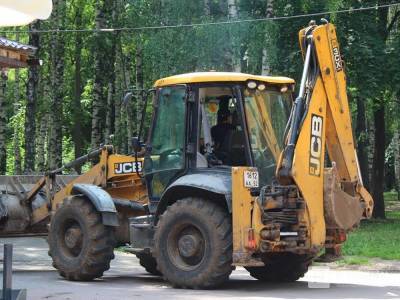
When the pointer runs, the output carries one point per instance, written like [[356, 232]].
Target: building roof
[[199, 77], [16, 55]]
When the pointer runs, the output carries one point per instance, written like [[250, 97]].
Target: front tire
[[80, 245], [193, 244], [285, 268]]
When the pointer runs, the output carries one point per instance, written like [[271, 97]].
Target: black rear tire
[[80, 245], [285, 268], [193, 244], [148, 262]]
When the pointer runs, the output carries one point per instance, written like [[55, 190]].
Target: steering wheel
[[169, 152]]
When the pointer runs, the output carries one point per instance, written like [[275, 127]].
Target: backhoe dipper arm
[[321, 117]]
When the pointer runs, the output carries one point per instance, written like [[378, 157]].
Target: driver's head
[[224, 116]]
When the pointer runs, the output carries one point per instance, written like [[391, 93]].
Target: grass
[[390, 197], [376, 238]]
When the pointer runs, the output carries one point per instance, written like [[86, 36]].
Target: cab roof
[[207, 77]]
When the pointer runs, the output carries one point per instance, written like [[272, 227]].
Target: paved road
[[127, 280]]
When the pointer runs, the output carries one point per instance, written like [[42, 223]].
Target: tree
[[265, 65], [76, 112], [17, 104], [31, 102], [41, 143], [366, 51], [3, 122], [57, 95], [104, 62], [396, 146], [384, 27], [232, 60]]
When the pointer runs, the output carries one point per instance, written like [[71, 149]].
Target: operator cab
[[210, 122], [221, 134]]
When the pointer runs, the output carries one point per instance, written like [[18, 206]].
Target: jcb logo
[[336, 56], [127, 167], [316, 145]]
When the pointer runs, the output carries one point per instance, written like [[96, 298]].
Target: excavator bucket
[[341, 210]]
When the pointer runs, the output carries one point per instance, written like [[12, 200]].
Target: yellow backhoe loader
[[233, 173]]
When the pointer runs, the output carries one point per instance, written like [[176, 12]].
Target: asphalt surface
[[127, 280]]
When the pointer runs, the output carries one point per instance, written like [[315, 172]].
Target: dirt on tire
[[92, 242], [212, 224]]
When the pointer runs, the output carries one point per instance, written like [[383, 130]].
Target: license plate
[[251, 179]]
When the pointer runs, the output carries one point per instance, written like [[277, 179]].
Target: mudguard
[[101, 200], [207, 183]]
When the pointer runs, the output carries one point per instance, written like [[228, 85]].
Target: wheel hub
[[189, 245], [73, 237]]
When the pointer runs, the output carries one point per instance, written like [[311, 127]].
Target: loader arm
[[335, 197]]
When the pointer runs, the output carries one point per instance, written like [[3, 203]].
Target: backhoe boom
[[321, 118]]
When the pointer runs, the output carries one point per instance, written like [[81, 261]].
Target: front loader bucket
[[341, 210], [17, 201]]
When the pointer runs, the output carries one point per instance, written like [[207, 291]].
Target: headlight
[[251, 84], [261, 87]]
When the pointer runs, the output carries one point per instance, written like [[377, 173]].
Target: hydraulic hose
[[284, 173]]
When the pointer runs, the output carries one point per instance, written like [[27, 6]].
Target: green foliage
[[16, 123], [371, 62], [391, 196]]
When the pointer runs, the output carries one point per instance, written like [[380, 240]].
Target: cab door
[[165, 156]]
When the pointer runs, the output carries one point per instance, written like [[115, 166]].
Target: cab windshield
[[267, 113]]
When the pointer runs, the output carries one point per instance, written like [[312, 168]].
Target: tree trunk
[[41, 144], [396, 150], [77, 136], [139, 86], [31, 101], [396, 146], [232, 63], [122, 123], [378, 169], [98, 97], [57, 74], [104, 66], [207, 8], [232, 9], [119, 85], [110, 113], [119, 93], [125, 113], [16, 141], [371, 144], [3, 123], [265, 64], [128, 113], [362, 141]]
